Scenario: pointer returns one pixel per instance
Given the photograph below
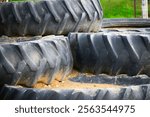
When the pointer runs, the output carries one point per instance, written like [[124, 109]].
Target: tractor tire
[[111, 53], [141, 92], [50, 17], [41, 60], [125, 30], [133, 22]]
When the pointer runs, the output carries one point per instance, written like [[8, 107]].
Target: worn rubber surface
[[111, 53], [133, 22], [125, 30], [50, 17], [141, 92], [120, 80], [28, 62]]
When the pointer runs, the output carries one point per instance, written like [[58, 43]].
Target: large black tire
[[119, 80], [111, 53], [50, 17], [141, 92], [125, 30], [28, 62], [133, 22]]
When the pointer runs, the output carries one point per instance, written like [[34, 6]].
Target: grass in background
[[16, 0], [149, 8], [121, 8], [21, 0]]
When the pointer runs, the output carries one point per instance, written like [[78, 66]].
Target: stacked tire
[[33, 49], [29, 51]]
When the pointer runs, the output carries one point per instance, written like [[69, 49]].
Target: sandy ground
[[67, 84]]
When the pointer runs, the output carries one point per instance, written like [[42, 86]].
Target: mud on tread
[[29, 62], [111, 53], [49, 17], [127, 93]]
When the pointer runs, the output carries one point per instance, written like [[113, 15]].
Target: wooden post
[[145, 8], [134, 8]]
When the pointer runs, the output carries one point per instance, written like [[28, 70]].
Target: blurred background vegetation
[[122, 8], [119, 8]]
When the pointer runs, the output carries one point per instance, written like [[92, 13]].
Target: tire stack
[[34, 46], [118, 48], [30, 53]]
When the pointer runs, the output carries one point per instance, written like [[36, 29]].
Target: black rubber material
[[141, 92], [40, 60], [133, 22], [111, 53], [50, 17], [122, 80], [126, 30]]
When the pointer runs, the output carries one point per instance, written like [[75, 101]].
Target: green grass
[[16, 0], [149, 9], [121, 8], [20, 0], [118, 8]]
